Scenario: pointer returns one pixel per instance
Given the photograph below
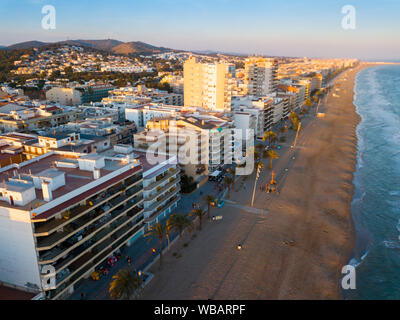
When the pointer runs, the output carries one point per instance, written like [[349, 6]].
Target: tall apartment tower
[[208, 85], [260, 76]]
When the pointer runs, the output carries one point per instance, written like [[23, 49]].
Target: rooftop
[[52, 165]]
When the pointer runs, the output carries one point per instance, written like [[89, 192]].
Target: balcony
[[77, 244], [92, 260], [162, 199], [86, 221], [161, 209], [70, 215], [163, 188], [169, 174]]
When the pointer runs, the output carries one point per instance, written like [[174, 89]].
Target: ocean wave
[[355, 263], [391, 244]]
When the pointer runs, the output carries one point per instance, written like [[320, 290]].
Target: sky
[[282, 28]]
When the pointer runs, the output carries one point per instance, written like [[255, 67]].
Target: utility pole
[[255, 184], [297, 134], [319, 101]]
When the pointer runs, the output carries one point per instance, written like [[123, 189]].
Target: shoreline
[[312, 211]]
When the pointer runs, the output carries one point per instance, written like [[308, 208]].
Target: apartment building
[[63, 215], [260, 76], [141, 94], [18, 118], [68, 142], [208, 85], [12, 146], [262, 108], [79, 94], [202, 143], [161, 186], [140, 115]]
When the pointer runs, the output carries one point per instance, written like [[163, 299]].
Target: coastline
[[372, 232], [313, 210]]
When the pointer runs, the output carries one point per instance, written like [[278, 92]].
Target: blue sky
[[290, 27]]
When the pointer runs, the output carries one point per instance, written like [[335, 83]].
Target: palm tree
[[294, 118], [200, 213], [157, 231], [168, 230], [179, 222], [259, 164], [124, 284], [233, 172], [209, 199], [229, 183], [271, 154], [270, 135]]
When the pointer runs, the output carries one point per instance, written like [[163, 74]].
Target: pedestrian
[[83, 295], [128, 259]]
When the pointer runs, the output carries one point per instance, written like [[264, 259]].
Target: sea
[[376, 201]]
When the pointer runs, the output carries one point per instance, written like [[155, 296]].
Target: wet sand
[[296, 247]]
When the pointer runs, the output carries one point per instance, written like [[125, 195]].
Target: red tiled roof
[[49, 213]]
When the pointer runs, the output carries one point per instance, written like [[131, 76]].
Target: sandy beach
[[295, 242]]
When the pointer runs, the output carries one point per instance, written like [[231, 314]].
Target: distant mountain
[[105, 45], [138, 47], [27, 45], [108, 45]]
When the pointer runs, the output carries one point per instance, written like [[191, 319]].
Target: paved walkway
[[140, 251]]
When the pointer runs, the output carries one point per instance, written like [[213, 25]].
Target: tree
[[209, 199], [294, 118], [179, 222], [271, 154], [270, 135], [124, 284], [200, 213], [157, 231], [229, 183], [233, 172], [308, 103], [259, 164]]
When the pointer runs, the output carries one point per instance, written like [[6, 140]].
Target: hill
[[27, 45], [137, 47], [108, 45], [104, 45]]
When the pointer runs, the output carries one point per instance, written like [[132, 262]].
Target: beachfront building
[[201, 142], [261, 108], [260, 76], [161, 186], [63, 215], [208, 85]]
